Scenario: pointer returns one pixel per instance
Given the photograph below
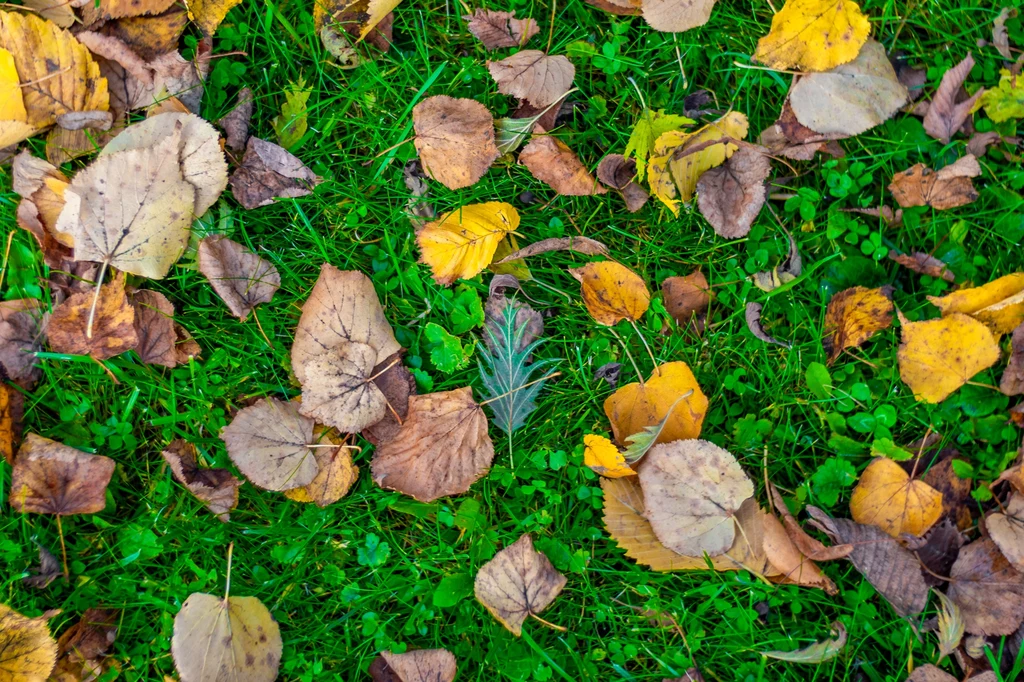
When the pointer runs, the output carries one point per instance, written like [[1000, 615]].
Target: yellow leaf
[[27, 651], [13, 117], [376, 10], [939, 356], [636, 406], [1006, 100], [999, 304], [853, 316], [612, 292], [208, 14], [601, 455], [887, 498], [462, 243], [814, 35]]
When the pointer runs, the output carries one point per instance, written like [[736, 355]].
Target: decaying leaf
[[583, 245], [552, 162], [924, 264], [1007, 531], [216, 488], [336, 477], [455, 139], [463, 242], [617, 172], [154, 328], [676, 16], [225, 638], [517, 583], [999, 304], [52, 478], [814, 35], [338, 389], [988, 590], [601, 455], [803, 542], [20, 339], [793, 566], [929, 673], [422, 665], [634, 407], [534, 76], [855, 315], [612, 292], [242, 279], [752, 315], [946, 188], [791, 139], [269, 443], [937, 357], [692, 490], [500, 29], [886, 497], [1012, 381], [268, 172], [956, 491], [1005, 101], [82, 648], [783, 273], [397, 384], [236, 122], [687, 299], [937, 549], [731, 195], [819, 652], [945, 114], [113, 330], [27, 651], [441, 449], [48, 571]]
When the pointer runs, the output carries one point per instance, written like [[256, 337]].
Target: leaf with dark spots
[[517, 583]]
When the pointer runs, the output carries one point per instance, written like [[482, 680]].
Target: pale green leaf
[[291, 125], [951, 626], [649, 126], [819, 652], [640, 443]]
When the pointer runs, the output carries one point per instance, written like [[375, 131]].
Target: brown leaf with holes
[[687, 299], [270, 172], [216, 488], [269, 443], [946, 188], [553, 163], [455, 139], [82, 648], [517, 583], [988, 589], [617, 172], [945, 114], [923, 264], [855, 315], [337, 473], [612, 292], [113, 330], [1012, 381], [52, 478], [500, 29], [242, 279], [154, 328], [422, 665], [398, 385], [534, 76], [731, 195]]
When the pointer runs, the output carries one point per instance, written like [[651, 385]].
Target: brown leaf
[[242, 279], [12, 407], [691, 675], [753, 318], [945, 115], [783, 273], [1000, 36], [617, 172], [946, 188], [793, 565], [236, 122], [48, 571], [455, 139], [52, 478], [534, 76], [216, 488], [855, 315], [398, 385], [20, 338], [888, 216], [731, 195], [803, 542], [1012, 381], [337, 474], [687, 299], [553, 163], [956, 491], [500, 29], [988, 590], [676, 16], [584, 245], [937, 550], [82, 647], [113, 330], [980, 142], [185, 348], [149, 36], [924, 264], [270, 172], [517, 583], [423, 665], [893, 571], [791, 139], [41, 187], [441, 449], [1007, 530], [620, 7], [929, 673], [154, 327], [269, 443]]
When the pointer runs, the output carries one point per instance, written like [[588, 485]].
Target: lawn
[[378, 570]]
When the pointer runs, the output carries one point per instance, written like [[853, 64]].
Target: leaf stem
[[657, 369], [63, 548], [227, 581], [639, 376], [95, 299], [549, 624]]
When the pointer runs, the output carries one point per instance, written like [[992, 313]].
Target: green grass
[[154, 544]]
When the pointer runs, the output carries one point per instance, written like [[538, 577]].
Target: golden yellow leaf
[[207, 14], [14, 125], [612, 292], [814, 35], [336, 476], [601, 455], [999, 304], [939, 356], [886, 497], [27, 651], [462, 243], [853, 316], [374, 12], [636, 406]]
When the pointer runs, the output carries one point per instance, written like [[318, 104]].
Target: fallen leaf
[[242, 279], [269, 443], [337, 474], [945, 115], [850, 98], [338, 389], [814, 35], [634, 407], [12, 407], [609, 372], [604, 458], [804, 543], [980, 142], [687, 299], [41, 187], [186, 347], [216, 488], [27, 651], [929, 673], [886, 497], [731, 195], [855, 315], [752, 315], [270, 172], [52, 478], [783, 273], [946, 188], [648, 128], [692, 490], [956, 491], [676, 16], [101, 10], [398, 385], [441, 449], [924, 264], [82, 648], [455, 139], [553, 163], [888, 217], [1012, 381], [48, 571], [208, 14], [789, 138], [517, 583], [57, 11], [236, 122], [819, 652], [291, 125], [423, 665], [500, 29], [20, 339], [1001, 103], [937, 549], [217, 638], [1007, 531], [937, 357], [612, 292], [793, 565], [1000, 36], [620, 7], [617, 172], [154, 328], [14, 126], [462, 243], [113, 328], [534, 76], [999, 304], [583, 245], [988, 590], [148, 36]]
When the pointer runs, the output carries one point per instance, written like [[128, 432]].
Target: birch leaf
[[517, 583], [999, 303], [462, 243], [937, 357], [455, 139], [534, 76], [269, 443], [612, 292]]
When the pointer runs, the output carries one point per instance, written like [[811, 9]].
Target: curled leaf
[[268, 172], [819, 652], [552, 162], [946, 188], [999, 303], [731, 195], [584, 245], [753, 318], [216, 488], [601, 455], [945, 114]]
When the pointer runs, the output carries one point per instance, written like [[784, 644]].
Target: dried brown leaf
[[937, 550], [398, 385], [753, 318], [270, 172], [423, 665], [987, 588], [236, 122], [455, 139], [242, 279], [1012, 381], [500, 29], [793, 566], [269, 443], [337, 474], [517, 583], [20, 339], [154, 328], [534, 76], [48, 571], [584, 245], [804, 543], [731, 195], [216, 488], [687, 299], [113, 330], [946, 188], [553, 163], [924, 264], [929, 673], [617, 172], [52, 478], [83, 646], [945, 115], [1000, 36]]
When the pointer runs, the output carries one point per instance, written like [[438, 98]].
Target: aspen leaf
[[423, 665], [853, 316], [635, 406], [52, 478], [814, 35], [553, 163], [242, 279], [27, 651], [337, 474], [999, 304], [676, 16], [612, 292], [113, 330], [937, 357], [455, 139], [987, 588], [819, 652], [216, 488], [269, 443], [601, 455], [517, 583], [462, 243], [886, 497], [154, 328], [534, 76], [1007, 531], [500, 29], [945, 115], [946, 188]]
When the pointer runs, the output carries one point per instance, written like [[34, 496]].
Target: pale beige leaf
[[338, 391], [455, 139], [269, 443], [1007, 531], [676, 16], [422, 665], [517, 583], [52, 478], [242, 279], [534, 76]]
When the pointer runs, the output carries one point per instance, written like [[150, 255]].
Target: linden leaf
[[27, 651], [423, 665], [1006, 100], [216, 488], [462, 243], [517, 583], [692, 490], [988, 589], [819, 652], [242, 279], [676, 16], [455, 139], [553, 163], [814, 35], [113, 329], [886, 497], [853, 316], [269, 443], [612, 292], [1007, 530], [937, 357], [946, 114], [999, 304], [946, 188], [338, 389], [336, 477], [534, 76], [398, 385], [52, 478], [634, 407], [601, 455]]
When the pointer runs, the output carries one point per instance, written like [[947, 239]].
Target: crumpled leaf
[[612, 292], [1007, 530], [422, 665], [463, 242], [113, 330], [82, 648], [1003, 102], [500, 29], [692, 490], [814, 35], [783, 273], [855, 315], [270, 172], [946, 188], [27, 651], [793, 566], [216, 488], [789, 138], [242, 279], [517, 583], [48, 571], [999, 304], [617, 172], [583, 245], [945, 116], [534, 76], [937, 357], [455, 139], [886, 497], [1012, 381], [924, 264], [604, 458], [236, 122], [937, 549], [269, 443], [804, 543], [219, 638], [634, 407], [337, 474], [52, 478], [731, 195], [850, 98], [752, 315], [687, 299], [154, 328], [988, 590], [1000, 36], [676, 16], [552, 162], [648, 128], [442, 448], [819, 652]]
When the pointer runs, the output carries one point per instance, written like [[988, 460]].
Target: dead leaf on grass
[[945, 114], [612, 292], [814, 35], [398, 385], [534, 76], [987, 588], [216, 488], [687, 299], [242, 279], [1007, 531], [946, 188], [338, 389], [236, 122], [924, 264], [731, 195], [455, 139], [1012, 381], [676, 16], [886, 497], [793, 566], [48, 571], [937, 549], [423, 665], [855, 315], [336, 477], [552, 162], [154, 328], [937, 357], [804, 543], [517, 583], [113, 330], [617, 172], [20, 338], [929, 673], [52, 478], [270, 172], [783, 273], [463, 242], [999, 304], [83, 648], [636, 406], [752, 315], [269, 443], [583, 245], [27, 651], [500, 29]]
